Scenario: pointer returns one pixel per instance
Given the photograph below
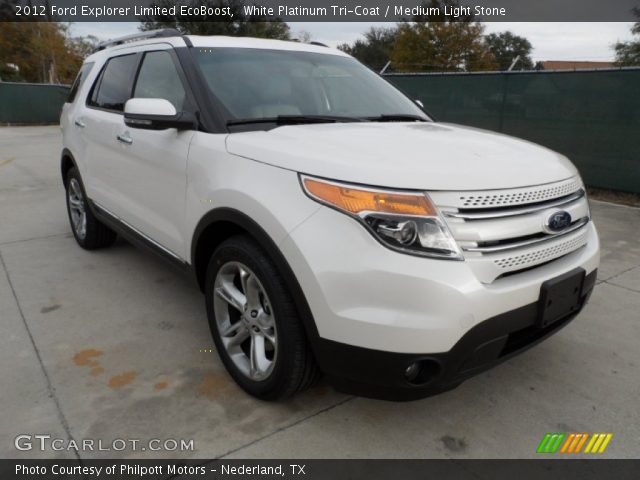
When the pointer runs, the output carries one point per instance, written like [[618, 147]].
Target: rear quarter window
[[80, 78]]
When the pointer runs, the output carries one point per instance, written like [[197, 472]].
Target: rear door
[[72, 120]]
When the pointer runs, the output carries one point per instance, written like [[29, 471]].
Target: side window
[[93, 94], [158, 78], [113, 87], [82, 75]]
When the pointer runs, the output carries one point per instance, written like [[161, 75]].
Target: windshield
[[255, 84]]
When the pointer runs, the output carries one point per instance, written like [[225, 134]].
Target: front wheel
[[254, 322]]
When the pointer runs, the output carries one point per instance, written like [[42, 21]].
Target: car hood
[[424, 156]]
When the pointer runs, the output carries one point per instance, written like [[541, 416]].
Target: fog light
[[411, 372], [422, 372]]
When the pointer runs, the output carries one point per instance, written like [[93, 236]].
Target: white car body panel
[[421, 156], [217, 179], [154, 106], [151, 177]]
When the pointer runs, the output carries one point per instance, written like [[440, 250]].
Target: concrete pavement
[[115, 345]]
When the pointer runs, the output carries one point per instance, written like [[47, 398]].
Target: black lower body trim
[[140, 241], [387, 375]]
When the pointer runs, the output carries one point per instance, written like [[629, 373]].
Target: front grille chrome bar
[[512, 212], [528, 243]]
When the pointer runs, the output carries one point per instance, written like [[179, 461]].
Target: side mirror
[[156, 114]]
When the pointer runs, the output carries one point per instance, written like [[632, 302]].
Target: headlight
[[584, 189], [403, 221]]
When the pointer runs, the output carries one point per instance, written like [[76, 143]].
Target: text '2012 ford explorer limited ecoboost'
[[332, 225]]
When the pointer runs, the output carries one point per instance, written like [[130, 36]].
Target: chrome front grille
[[514, 211], [538, 256], [518, 196], [517, 243], [504, 232]]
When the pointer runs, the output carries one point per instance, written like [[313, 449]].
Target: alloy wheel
[[245, 321], [77, 208]]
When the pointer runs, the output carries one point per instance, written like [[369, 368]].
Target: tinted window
[[94, 90], [158, 78], [114, 84], [82, 74]]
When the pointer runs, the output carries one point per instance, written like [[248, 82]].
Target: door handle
[[125, 139], [79, 123]]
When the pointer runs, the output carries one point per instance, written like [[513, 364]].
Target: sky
[[551, 41]]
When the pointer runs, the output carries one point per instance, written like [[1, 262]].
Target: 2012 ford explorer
[[332, 225]]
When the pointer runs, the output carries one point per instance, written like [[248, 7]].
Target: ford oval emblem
[[557, 221]]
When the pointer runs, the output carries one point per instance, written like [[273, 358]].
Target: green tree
[[441, 43], [42, 52], [505, 47], [374, 50], [303, 36], [628, 53], [7, 10], [240, 25], [8, 70], [83, 46]]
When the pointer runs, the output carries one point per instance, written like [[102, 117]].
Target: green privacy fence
[[31, 103], [592, 117]]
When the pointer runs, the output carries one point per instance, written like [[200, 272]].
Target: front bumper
[[376, 311], [380, 374]]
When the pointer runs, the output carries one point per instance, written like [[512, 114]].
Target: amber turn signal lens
[[355, 200]]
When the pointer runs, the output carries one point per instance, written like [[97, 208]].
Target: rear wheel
[[88, 231], [254, 323]]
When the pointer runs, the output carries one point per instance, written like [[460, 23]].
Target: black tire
[[294, 368], [95, 234]]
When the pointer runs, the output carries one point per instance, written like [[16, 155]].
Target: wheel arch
[[220, 224], [67, 162]]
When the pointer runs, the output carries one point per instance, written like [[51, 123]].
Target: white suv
[[331, 224]]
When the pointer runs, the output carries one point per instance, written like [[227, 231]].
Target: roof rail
[[163, 32], [318, 44]]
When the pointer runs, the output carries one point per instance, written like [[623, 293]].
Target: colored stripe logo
[[574, 443]]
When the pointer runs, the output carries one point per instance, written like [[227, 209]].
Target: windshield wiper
[[295, 119], [396, 117]]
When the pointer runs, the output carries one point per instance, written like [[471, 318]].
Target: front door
[[140, 175], [153, 170]]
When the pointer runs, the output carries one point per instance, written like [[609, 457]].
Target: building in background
[[572, 65]]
